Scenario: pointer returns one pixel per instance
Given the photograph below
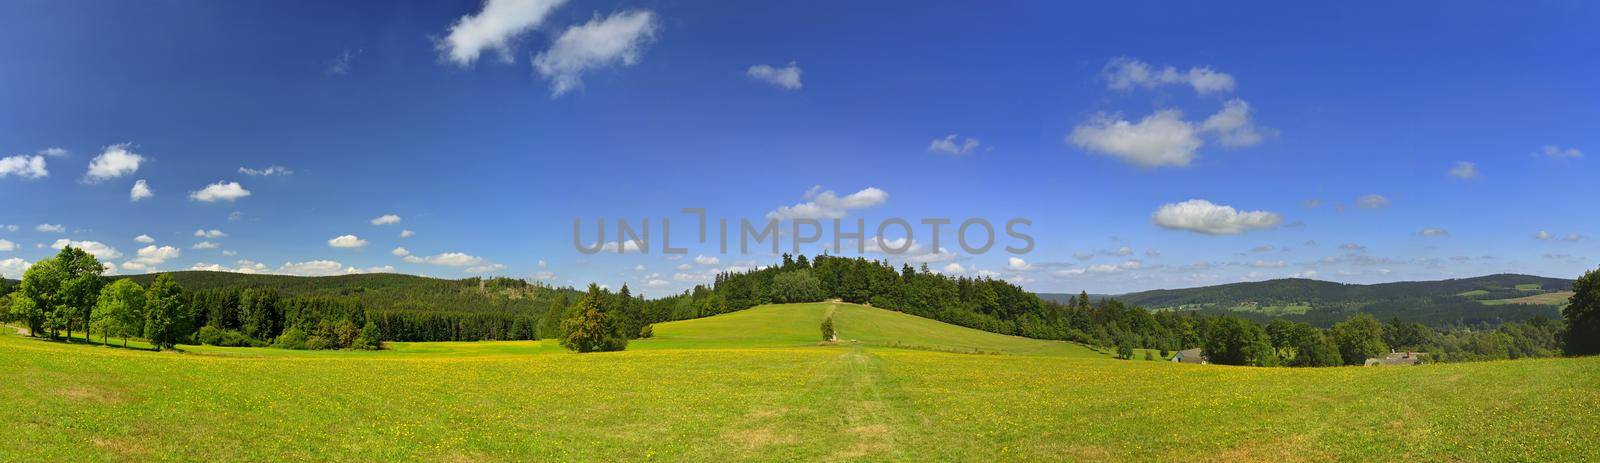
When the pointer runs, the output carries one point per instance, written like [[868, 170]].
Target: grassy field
[[1558, 298], [757, 385]]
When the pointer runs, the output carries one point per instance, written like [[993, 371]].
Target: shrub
[[649, 331], [292, 338], [827, 329]]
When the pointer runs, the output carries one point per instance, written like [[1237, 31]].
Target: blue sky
[[1135, 176]]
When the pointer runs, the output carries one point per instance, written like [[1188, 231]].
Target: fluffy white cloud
[[312, 268], [657, 283], [1232, 125], [23, 166], [787, 78], [400, 252], [1160, 139], [13, 267], [99, 250], [954, 268], [494, 28], [1127, 73], [1434, 232], [827, 205], [1543, 235], [618, 39], [1464, 170], [347, 241], [53, 152], [489, 268], [116, 161], [50, 228], [1016, 264], [154, 255], [451, 259], [266, 171], [707, 260], [1372, 202], [950, 144], [220, 191], [627, 247], [407, 233], [205, 245], [7, 245], [1201, 216], [141, 190], [1573, 237], [146, 239], [1553, 151], [386, 219], [209, 234]]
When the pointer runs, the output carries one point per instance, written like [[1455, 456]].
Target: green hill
[[1485, 299], [800, 325]]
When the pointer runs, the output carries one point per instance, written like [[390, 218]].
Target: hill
[[1485, 299], [757, 386]]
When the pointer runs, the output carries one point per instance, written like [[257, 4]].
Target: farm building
[[1396, 359], [1190, 356]]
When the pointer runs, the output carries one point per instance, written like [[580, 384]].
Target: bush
[[226, 338], [649, 331], [827, 330], [292, 338], [370, 338]]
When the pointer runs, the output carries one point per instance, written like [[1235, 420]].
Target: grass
[[758, 385], [1557, 298], [1530, 287]]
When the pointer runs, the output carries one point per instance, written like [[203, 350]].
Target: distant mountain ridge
[[1484, 299]]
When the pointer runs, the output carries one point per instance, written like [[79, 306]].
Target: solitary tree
[[120, 311], [590, 328], [163, 312], [1583, 315]]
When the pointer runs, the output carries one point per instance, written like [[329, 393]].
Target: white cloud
[[618, 39], [23, 166], [400, 252], [1464, 170], [116, 161], [341, 64], [707, 260], [99, 250], [1543, 235], [494, 28], [657, 283], [146, 239], [266, 171], [954, 268], [141, 190], [827, 205], [1268, 264], [1434, 232], [154, 255], [220, 191], [451, 259], [229, 253], [53, 152], [386, 219], [1160, 139], [1127, 73], [347, 241], [209, 234], [1233, 127], [1016, 264], [1372, 202], [950, 144], [7, 245], [1553, 151], [205, 245], [627, 247], [407, 233], [13, 267], [1201, 216], [489, 268], [787, 78], [1353, 247], [50, 228], [312, 268]]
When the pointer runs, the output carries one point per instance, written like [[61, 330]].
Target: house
[[1194, 355], [1396, 359]]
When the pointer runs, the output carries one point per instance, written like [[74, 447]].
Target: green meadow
[[757, 385]]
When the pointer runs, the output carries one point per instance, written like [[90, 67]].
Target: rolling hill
[[1485, 299]]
